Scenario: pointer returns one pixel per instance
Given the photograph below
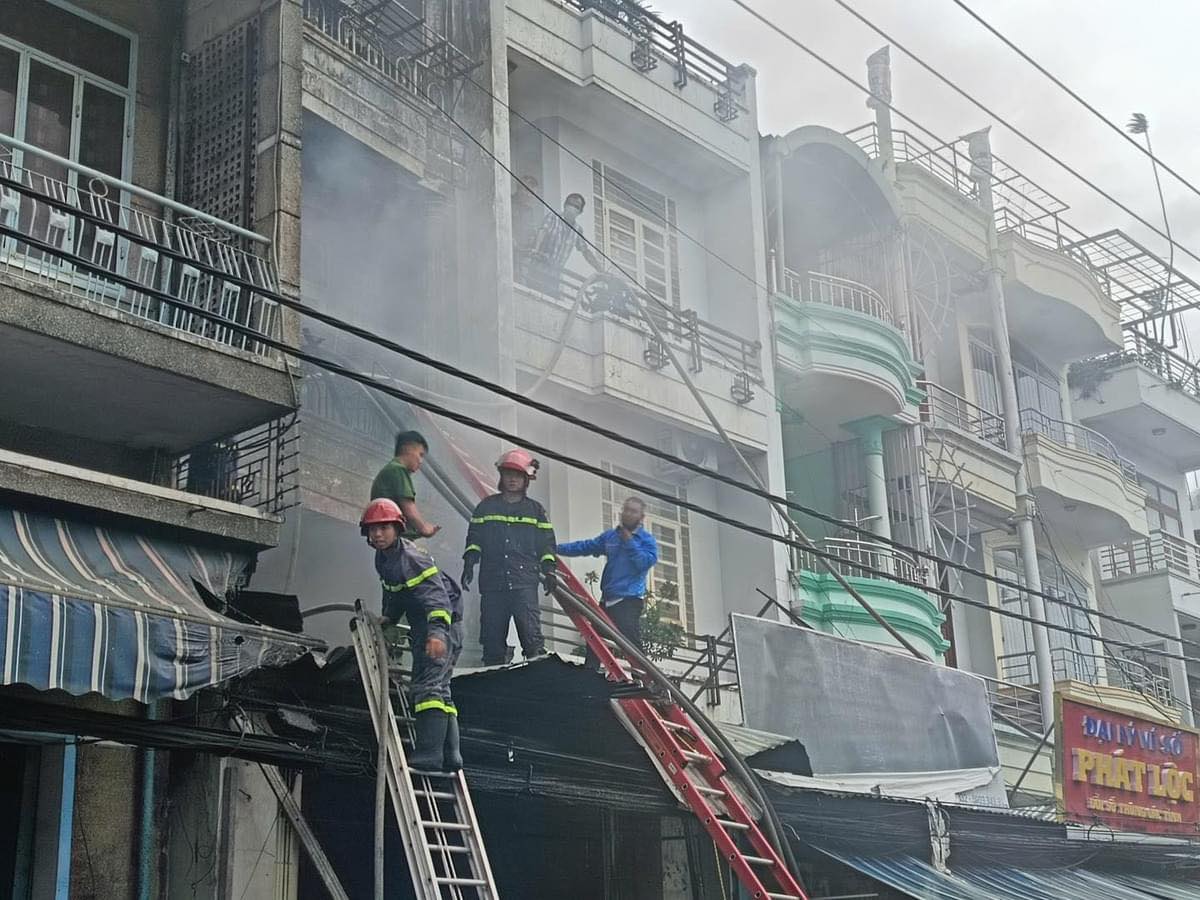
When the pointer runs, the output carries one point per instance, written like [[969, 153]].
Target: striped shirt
[[555, 241]]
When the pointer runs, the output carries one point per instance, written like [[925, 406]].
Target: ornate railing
[[1160, 552], [68, 227], [258, 468], [863, 559], [395, 42], [612, 295], [1080, 437], [944, 407], [657, 40], [831, 290], [1068, 663]]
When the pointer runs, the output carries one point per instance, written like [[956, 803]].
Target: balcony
[[590, 336], [869, 568], [1144, 687], [620, 69], [1056, 292], [839, 354], [235, 489], [136, 314], [1143, 396], [1083, 486], [969, 445]]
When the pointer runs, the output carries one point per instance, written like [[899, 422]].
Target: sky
[[1120, 56]]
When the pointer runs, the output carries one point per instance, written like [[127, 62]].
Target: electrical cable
[[1074, 95], [792, 39], [415, 400]]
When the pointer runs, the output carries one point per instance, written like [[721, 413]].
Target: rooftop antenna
[[1139, 124]]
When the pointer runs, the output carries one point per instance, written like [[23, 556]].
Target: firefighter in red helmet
[[511, 540], [415, 588]]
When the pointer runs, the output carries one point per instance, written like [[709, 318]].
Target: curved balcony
[[1083, 486], [869, 568], [839, 354]]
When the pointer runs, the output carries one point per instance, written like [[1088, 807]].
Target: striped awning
[[87, 609]]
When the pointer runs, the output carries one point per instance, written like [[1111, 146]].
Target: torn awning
[[917, 878], [88, 609]]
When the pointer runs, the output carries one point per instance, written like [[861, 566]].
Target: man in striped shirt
[[557, 238]]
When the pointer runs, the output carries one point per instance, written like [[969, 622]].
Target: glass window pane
[[48, 118], [102, 130], [10, 63], [68, 37]]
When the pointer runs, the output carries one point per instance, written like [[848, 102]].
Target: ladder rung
[[692, 756], [674, 726], [466, 882], [784, 896], [738, 826], [425, 773], [709, 791], [447, 848], [759, 860], [445, 826], [436, 795]]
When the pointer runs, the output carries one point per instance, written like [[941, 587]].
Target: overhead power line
[[548, 452], [796, 42], [1109, 123]]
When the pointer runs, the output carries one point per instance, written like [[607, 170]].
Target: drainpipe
[[147, 830], [980, 149], [879, 80]]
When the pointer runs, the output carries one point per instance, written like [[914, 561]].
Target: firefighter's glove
[[468, 574], [550, 581], [435, 647]]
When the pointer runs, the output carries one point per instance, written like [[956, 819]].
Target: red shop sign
[[1127, 772]]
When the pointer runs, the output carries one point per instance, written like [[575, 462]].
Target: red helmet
[[519, 461], [381, 512]]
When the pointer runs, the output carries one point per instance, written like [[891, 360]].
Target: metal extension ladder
[[679, 750], [442, 842]]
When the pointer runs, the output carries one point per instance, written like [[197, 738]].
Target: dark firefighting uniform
[[414, 587], [514, 546]]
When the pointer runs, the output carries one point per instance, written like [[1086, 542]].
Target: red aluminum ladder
[[680, 752]]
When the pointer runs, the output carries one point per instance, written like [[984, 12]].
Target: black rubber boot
[[453, 756], [429, 751]]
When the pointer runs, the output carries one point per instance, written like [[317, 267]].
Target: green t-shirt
[[393, 482]]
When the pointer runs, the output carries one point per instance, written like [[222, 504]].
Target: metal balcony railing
[[944, 407], [1160, 552], [66, 226], [1068, 663], [831, 290], [1016, 703], [612, 295], [258, 468], [657, 40], [1069, 434], [862, 559], [406, 49], [1177, 371]]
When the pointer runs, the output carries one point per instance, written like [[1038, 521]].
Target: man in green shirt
[[394, 482]]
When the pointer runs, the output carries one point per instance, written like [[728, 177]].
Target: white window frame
[[640, 225]]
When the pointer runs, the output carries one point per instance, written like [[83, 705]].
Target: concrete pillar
[[871, 441]]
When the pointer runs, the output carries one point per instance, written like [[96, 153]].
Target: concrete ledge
[[113, 494]]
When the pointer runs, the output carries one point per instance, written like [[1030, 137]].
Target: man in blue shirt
[[630, 551]]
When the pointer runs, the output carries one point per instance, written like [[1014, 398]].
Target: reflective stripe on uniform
[[474, 547], [548, 556], [447, 708], [511, 520], [411, 583], [440, 614]]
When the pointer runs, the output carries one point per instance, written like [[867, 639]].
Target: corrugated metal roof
[[917, 878]]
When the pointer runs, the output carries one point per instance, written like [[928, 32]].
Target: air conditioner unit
[[696, 450]]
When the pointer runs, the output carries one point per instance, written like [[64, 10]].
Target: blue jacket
[[627, 561]]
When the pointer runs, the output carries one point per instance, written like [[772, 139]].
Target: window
[[637, 230], [983, 369], [671, 578], [1072, 655], [1038, 386], [1162, 507], [66, 86]]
